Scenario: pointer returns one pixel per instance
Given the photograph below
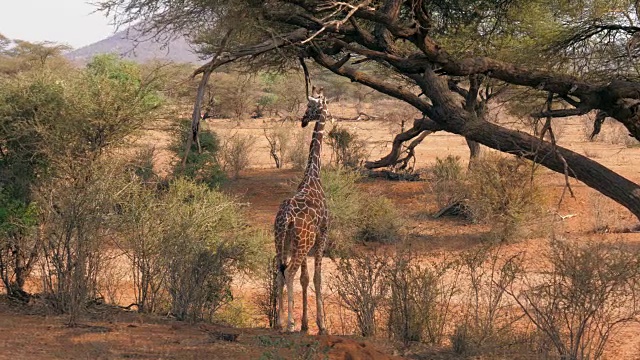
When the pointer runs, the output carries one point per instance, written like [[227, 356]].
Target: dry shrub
[[420, 305], [378, 220], [605, 214], [589, 293], [359, 283], [617, 133], [448, 181], [611, 132], [591, 153], [503, 192], [76, 213], [495, 190], [489, 317], [279, 139], [399, 119], [112, 280], [348, 149], [236, 153], [298, 154], [266, 301]]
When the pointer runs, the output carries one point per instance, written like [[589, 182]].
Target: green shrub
[[348, 149], [354, 214], [203, 166], [205, 241]]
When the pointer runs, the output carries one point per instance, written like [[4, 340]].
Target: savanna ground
[[108, 332]]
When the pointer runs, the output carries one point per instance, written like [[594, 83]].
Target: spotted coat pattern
[[301, 225]]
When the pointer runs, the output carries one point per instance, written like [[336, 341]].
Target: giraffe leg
[[279, 294], [280, 261], [304, 282], [317, 282], [289, 274]]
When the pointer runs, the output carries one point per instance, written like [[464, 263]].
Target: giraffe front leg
[[304, 282]]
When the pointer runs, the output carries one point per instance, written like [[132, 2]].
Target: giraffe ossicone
[[301, 225]]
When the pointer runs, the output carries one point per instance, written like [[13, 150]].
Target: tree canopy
[[448, 58]]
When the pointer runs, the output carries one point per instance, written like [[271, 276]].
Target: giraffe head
[[315, 106]]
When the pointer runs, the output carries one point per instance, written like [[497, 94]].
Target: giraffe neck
[[312, 171]]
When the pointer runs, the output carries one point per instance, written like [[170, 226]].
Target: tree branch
[[253, 50], [420, 126]]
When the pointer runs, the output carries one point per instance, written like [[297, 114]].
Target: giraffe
[[301, 224]]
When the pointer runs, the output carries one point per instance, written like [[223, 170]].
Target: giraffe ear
[[313, 90], [321, 91]]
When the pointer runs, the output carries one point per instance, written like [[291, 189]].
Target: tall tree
[[574, 56]]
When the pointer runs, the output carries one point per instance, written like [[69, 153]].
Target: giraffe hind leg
[[280, 266], [304, 282]]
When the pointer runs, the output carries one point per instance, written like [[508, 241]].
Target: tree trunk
[[474, 149]]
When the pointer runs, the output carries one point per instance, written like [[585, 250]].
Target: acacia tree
[[577, 56]]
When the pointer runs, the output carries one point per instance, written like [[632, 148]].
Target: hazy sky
[[64, 21]]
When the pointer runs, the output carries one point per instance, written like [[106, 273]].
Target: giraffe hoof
[[323, 332], [304, 329]]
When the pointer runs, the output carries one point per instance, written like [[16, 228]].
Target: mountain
[[131, 44]]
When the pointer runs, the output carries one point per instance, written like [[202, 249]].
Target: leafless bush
[[605, 214], [112, 279], [236, 153], [359, 282], [421, 299], [587, 296], [488, 315], [266, 301], [504, 193], [279, 139], [76, 210], [142, 227], [299, 152]]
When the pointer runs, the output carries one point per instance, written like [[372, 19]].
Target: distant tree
[[444, 58]]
